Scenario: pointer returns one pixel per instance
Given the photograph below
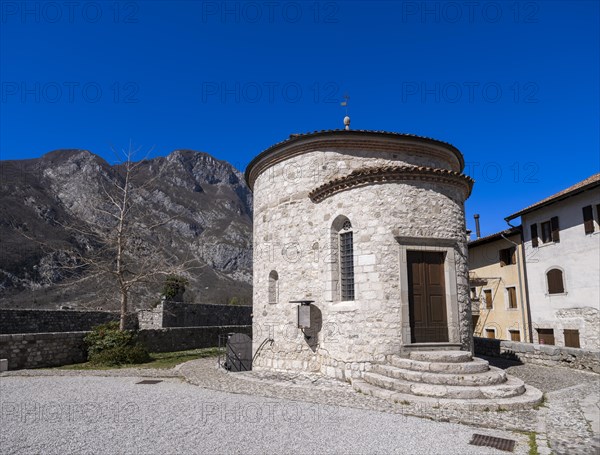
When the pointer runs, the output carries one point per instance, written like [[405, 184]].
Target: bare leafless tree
[[121, 241]]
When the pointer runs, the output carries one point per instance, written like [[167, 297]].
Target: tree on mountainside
[[121, 241]]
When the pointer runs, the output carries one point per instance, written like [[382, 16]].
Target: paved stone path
[[570, 417], [567, 423], [104, 415]]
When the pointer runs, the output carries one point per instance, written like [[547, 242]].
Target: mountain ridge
[[207, 198]]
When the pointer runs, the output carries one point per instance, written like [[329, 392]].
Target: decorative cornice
[[352, 140], [391, 174]]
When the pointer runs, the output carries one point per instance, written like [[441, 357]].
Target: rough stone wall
[[36, 321], [539, 354], [293, 236], [174, 314], [151, 319], [586, 320], [183, 338], [38, 350]]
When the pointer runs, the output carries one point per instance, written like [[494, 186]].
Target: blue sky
[[513, 85]]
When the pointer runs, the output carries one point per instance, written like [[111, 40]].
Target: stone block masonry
[[336, 216], [183, 338], [38, 350], [539, 354], [174, 314], [37, 321]]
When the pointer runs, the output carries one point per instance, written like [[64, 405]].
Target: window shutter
[[572, 338], [588, 219], [555, 230], [512, 297], [534, 235], [555, 282]]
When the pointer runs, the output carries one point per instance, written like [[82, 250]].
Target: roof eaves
[[560, 196], [494, 237], [299, 136]]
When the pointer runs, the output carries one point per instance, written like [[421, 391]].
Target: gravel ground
[[94, 414]]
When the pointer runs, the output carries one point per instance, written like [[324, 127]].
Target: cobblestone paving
[[563, 422], [314, 388]]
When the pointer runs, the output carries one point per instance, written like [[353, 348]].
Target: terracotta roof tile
[[341, 132], [495, 236], [588, 183], [382, 174]]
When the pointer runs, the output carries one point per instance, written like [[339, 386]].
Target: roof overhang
[[298, 144]]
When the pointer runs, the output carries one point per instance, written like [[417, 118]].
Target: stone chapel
[[360, 266]]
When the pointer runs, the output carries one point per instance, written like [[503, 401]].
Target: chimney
[[477, 230]]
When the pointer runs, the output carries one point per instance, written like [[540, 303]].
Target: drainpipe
[[526, 327]]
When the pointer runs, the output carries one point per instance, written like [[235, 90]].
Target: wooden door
[[427, 297]]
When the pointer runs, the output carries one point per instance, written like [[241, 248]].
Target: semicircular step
[[490, 377], [476, 365], [441, 356], [512, 387], [529, 399]]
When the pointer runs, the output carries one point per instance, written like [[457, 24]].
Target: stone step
[[441, 356], [491, 377], [512, 387], [530, 398], [475, 366]]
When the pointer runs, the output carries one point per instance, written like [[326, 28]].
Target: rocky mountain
[[202, 207]]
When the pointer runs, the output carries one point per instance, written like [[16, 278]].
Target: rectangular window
[[514, 335], [546, 232], [588, 219], [474, 294], [546, 336], [346, 266], [512, 297], [489, 304], [508, 256], [490, 333], [572, 338]]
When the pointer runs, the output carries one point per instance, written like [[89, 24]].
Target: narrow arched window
[[346, 255], [273, 286], [555, 280]]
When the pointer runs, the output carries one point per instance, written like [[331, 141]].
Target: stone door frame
[[448, 247]]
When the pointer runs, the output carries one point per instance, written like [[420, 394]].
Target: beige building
[[497, 287], [562, 245]]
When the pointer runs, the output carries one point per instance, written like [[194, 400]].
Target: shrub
[[107, 345], [174, 287]]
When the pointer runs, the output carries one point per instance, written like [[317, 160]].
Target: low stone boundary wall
[[539, 354], [38, 350], [38, 321], [176, 314], [183, 338]]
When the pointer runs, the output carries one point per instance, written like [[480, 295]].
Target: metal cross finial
[[345, 102], [346, 118]]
